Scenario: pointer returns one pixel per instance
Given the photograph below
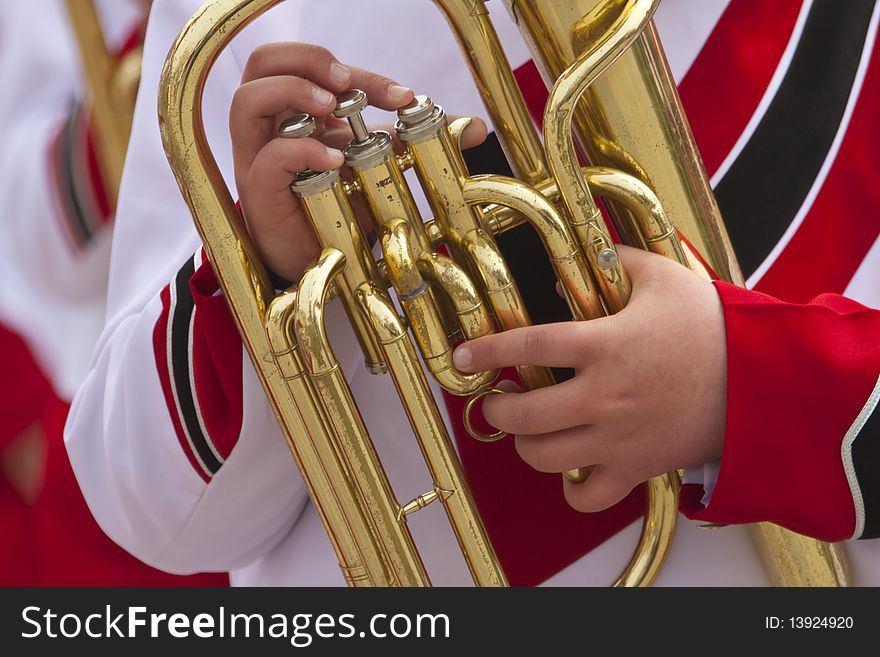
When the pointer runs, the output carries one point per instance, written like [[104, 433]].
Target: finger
[[381, 91], [281, 159], [256, 105], [602, 489], [474, 134], [638, 262], [575, 447], [304, 60], [506, 385], [539, 411], [547, 345]]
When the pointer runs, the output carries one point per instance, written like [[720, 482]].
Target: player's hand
[[649, 391], [280, 80]]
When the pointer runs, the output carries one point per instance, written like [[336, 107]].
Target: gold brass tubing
[[112, 122], [316, 456], [658, 530], [240, 272], [469, 20], [657, 232], [510, 312], [422, 314], [436, 446], [367, 474], [388, 197], [451, 280], [652, 225], [466, 415], [442, 172], [565, 253], [793, 560], [335, 224], [631, 117], [497, 220], [562, 158]]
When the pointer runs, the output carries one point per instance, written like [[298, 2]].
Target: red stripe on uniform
[[217, 362], [160, 350], [844, 221], [725, 83]]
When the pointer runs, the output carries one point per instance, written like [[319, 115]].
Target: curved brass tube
[[355, 448], [422, 314], [652, 224], [565, 253], [317, 453], [562, 158], [450, 279], [450, 485], [658, 531], [505, 300]]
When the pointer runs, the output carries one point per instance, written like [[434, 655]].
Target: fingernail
[[322, 96], [334, 154], [339, 73], [398, 91], [462, 358], [507, 386]]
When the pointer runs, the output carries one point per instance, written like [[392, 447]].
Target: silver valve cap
[[350, 102], [419, 120], [349, 105], [420, 109], [298, 125]]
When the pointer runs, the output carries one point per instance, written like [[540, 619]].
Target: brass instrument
[[112, 83], [612, 89]]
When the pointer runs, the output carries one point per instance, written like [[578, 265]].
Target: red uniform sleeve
[[802, 438], [199, 360], [24, 388]]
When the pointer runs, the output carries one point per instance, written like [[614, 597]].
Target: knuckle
[[532, 345], [259, 57], [316, 55], [375, 83], [533, 453], [579, 498], [239, 100], [522, 418]]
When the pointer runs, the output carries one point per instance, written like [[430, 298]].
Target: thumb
[[637, 262], [602, 489], [474, 134]]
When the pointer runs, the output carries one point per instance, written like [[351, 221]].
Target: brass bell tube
[[112, 89], [285, 336]]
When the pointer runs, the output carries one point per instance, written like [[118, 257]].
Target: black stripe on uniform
[[768, 183], [76, 213], [866, 462], [182, 310]]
